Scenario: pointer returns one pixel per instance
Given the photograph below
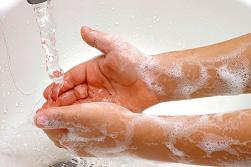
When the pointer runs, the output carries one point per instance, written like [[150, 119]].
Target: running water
[[47, 32]]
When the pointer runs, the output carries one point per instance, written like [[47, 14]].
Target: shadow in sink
[[72, 163], [82, 162]]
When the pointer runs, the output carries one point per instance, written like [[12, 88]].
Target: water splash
[[5, 109], [47, 33]]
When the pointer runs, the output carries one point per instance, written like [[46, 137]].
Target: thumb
[[59, 117], [74, 116], [97, 39]]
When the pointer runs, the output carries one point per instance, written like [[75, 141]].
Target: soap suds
[[151, 71], [187, 86], [174, 71], [147, 71], [212, 143], [236, 79], [174, 150], [175, 129], [91, 144]]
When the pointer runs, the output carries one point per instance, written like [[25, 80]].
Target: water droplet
[[117, 23], [155, 19], [5, 109], [37, 149], [19, 104], [113, 8]]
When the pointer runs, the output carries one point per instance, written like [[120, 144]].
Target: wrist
[[179, 74], [166, 73], [149, 138]]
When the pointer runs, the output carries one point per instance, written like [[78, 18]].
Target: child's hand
[[120, 75], [89, 129]]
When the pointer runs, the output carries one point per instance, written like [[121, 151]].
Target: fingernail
[[42, 120], [92, 35]]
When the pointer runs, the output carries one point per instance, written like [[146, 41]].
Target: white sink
[[154, 26]]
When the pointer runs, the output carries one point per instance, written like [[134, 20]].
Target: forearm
[[217, 139], [221, 69]]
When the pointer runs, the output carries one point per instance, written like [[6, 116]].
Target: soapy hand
[[121, 75], [89, 129]]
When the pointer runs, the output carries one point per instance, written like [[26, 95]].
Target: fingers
[[71, 96], [52, 91], [77, 75], [97, 39], [74, 77], [55, 91], [48, 104]]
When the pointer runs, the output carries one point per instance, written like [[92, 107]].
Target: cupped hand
[[89, 129], [122, 75]]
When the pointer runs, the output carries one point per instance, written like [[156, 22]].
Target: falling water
[[47, 33]]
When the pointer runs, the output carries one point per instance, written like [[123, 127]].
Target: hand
[[122, 75], [89, 129]]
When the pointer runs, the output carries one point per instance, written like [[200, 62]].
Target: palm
[[119, 83]]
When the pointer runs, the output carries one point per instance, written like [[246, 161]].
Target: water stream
[[43, 12]]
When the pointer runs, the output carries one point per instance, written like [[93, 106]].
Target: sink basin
[[154, 26]]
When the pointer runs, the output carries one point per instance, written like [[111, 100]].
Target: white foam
[[75, 140], [147, 70], [174, 150], [175, 70], [73, 137], [187, 87], [236, 79], [213, 143]]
